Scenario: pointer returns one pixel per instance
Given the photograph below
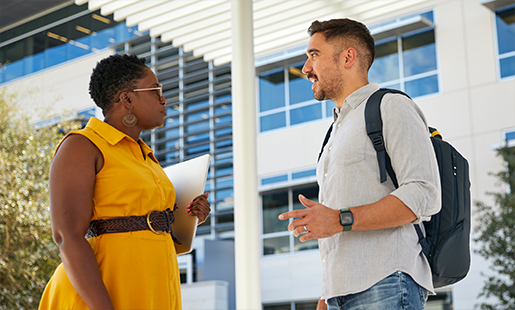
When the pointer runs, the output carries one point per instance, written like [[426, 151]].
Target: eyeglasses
[[159, 91]]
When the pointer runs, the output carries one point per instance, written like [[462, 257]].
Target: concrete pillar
[[246, 205]]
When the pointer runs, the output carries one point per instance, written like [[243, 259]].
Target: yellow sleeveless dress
[[139, 269]]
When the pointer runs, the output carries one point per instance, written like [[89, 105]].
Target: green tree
[[496, 238], [28, 255]]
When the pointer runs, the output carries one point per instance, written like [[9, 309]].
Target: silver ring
[[305, 228]]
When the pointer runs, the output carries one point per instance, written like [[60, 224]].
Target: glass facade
[[407, 62], [276, 237], [286, 99], [505, 25], [52, 39], [199, 121]]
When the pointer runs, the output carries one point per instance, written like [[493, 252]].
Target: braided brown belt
[[159, 222]]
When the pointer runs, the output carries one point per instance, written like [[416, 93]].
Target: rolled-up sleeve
[[408, 144]]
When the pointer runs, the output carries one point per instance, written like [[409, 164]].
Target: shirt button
[[323, 201], [330, 148], [323, 261], [325, 174], [158, 181], [339, 125], [170, 257]]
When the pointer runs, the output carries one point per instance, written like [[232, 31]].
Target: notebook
[[189, 180]]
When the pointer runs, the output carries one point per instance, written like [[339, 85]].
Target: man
[[370, 253]]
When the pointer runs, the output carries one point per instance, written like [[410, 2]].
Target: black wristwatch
[[346, 219]]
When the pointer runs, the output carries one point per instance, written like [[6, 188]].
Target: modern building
[[455, 58]]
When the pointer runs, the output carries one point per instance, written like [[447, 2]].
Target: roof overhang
[[204, 26]]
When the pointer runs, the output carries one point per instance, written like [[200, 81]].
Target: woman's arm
[[72, 179]]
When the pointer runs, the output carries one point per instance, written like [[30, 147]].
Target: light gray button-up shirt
[[348, 176]]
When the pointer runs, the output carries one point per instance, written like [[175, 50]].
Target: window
[[286, 99], [305, 305], [505, 25], [407, 62], [58, 39], [276, 237]]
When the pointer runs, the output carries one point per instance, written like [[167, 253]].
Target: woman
[[106, 184]]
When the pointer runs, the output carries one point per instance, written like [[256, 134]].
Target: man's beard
[[319, 95]]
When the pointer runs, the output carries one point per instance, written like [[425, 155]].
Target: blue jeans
[[395, 292]]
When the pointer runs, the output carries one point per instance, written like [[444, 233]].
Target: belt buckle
[[149, 222]]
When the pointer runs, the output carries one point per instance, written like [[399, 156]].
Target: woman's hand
[[200, 207]]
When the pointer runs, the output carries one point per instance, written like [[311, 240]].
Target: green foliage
[[28, 255], [497, 238]]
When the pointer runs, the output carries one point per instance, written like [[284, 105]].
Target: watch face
[[346, 218]]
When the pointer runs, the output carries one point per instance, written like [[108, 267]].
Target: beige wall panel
[[57, 89], [493, 106], [299, 273], [480, 44], [449, 113], [290, 149], [451, 49]]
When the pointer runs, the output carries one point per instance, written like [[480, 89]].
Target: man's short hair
[[347, 33], [113, 74]]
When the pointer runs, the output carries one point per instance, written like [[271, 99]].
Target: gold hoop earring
[[129, 120]]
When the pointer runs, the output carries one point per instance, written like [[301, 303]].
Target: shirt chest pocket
[[349, 144]]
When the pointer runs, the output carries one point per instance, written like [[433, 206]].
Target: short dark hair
[[113, 74], [345, 30]]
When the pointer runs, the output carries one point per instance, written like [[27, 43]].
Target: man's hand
[[317, 220]]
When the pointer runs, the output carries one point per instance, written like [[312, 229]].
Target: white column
[[246, 205]]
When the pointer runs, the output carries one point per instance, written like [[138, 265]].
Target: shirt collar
[[113, 136], [357, 97]]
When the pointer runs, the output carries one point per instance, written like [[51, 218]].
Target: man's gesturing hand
[[317, 220]]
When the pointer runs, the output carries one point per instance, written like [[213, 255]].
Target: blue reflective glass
[[273, 121], [386, 64], [276, 179], [225, 183], [34, 63], [510, 135], [223, 98], [507, 66], [428, 15], [505, 21], [300, 86], [172, 145], [13, 70], [224, 194], [329, 106], [55, 55], [303, 174], [271, 90], [197, 116], [423, 86], [172, 133], [419, 53], [223, 143], [223, 132], [198, 126], [224, 108], [172, 155], [196, 105], [102, 39], [198, 149], [223, 120], [306, 114], [198, 138], [79, 47], [224, 171]]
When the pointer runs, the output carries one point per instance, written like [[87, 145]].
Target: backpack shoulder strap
[[374, 127], [327, 135]]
